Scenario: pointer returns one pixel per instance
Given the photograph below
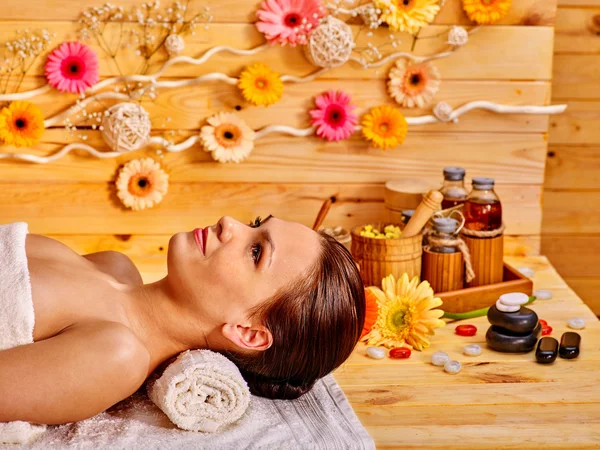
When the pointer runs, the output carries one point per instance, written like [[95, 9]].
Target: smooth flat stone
[[505, 341], [466, 330], [527, 271], [543, 294], [452, 367], [472, 350], [376, 352], [569, 345], [522, 321], [507, 308], [514, 299], [547, 350], [440, 359], [400, 353], [576, 323]]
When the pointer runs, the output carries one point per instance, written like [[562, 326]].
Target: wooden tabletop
[[498, 400]]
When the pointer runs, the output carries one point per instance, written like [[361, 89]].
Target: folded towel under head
[[201, 391]]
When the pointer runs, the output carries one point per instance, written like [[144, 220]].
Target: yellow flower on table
[[408, 15], [260, 85], [486, 12], [21, 124], [385, 127], [406, 315]]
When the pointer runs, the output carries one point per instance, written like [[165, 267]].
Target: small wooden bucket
[[444, 271], [378, 258], [487, 258]]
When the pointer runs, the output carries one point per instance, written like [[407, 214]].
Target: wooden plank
[[573, 167], [578, 125], [186, 108], [581, 436], [570, 212], [68, 208], [511, 60], [576, 30], [576, 77], [510, 158], [527, 12], [583, 3], [587, 289], [573, 255]]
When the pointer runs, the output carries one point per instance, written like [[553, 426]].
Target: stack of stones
[[515, 328]]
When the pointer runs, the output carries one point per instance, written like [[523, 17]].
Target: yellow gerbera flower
[[260, 85], [21, 124], [406, 316], [408, 15], [486, 12], [385, 126]]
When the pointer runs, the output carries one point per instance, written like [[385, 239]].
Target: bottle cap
[[408, 213], [483, 183], [454, 173], [445, 225]]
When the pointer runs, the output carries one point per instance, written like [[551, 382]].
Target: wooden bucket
[[444, 271], [403, 194], [378, 258], [487, 258]]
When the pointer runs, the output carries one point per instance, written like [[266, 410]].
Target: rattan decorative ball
[[126, 127], [330, 44], [174, 44], [443, 111]]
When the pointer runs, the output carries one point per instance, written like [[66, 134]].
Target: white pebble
[[452, 367], [543, 294], [507, 308], [576, 323], [376, 352], [439, 358], [472, 350], [514, 299], [527, 271]]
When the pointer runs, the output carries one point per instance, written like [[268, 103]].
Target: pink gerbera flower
[[289, 21], [72, 67], [333, 117]]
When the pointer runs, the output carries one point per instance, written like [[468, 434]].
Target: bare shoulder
[[118, 265]]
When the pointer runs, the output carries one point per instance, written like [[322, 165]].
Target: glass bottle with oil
[[483, 210], [454, 190]]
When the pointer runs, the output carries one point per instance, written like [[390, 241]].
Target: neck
[[162, 325]]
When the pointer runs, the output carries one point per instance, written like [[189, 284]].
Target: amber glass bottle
[[483, 210], [454, 190]]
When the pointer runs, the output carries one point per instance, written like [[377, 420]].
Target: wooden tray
[[478, 297]]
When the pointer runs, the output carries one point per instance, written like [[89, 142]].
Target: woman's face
[[225, 270]]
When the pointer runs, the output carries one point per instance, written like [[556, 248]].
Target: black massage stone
[[506, 341], [569, 345], [520, 322], [547, 350]]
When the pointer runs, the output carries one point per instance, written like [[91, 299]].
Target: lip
[[201, 237]]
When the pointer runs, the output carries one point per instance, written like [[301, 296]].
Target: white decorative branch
[[63, 152], [215, 76], [283, 129], [25, 95], [175, 148], [305, 79]]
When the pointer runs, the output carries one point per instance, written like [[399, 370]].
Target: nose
[[225, 228]]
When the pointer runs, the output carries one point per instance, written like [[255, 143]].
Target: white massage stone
[[452, 367], [376, 352], [472, 350], [543, 294], [514, 299], [507, 308], [439, 358], [576, 323], [527, 271]]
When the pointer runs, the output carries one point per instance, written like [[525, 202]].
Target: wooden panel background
[[571, 215], [73, 199]]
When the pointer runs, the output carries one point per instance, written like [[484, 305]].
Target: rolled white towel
[[201, 391]]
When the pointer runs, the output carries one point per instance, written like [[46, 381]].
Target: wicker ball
[[126, 127], [331, 44], [174, 44], [443, 111]]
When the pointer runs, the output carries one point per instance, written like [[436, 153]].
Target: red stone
[[466, 330], [400, 353], [543, 323], [546, 330]]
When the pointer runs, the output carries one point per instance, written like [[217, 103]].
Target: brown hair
[[315, 321]]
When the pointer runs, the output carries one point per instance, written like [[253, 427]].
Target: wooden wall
[[571, 215], [511, 62]]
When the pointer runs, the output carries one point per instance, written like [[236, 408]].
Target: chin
[[178, 250]]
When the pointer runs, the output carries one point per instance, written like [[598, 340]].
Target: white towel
[[16, 313], [201, 391]]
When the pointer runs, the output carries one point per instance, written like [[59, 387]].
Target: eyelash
[[257, 223]]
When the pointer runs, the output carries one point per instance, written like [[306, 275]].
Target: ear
[[248, 337]]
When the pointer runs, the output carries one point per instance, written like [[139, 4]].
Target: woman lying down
[[285, 303]]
